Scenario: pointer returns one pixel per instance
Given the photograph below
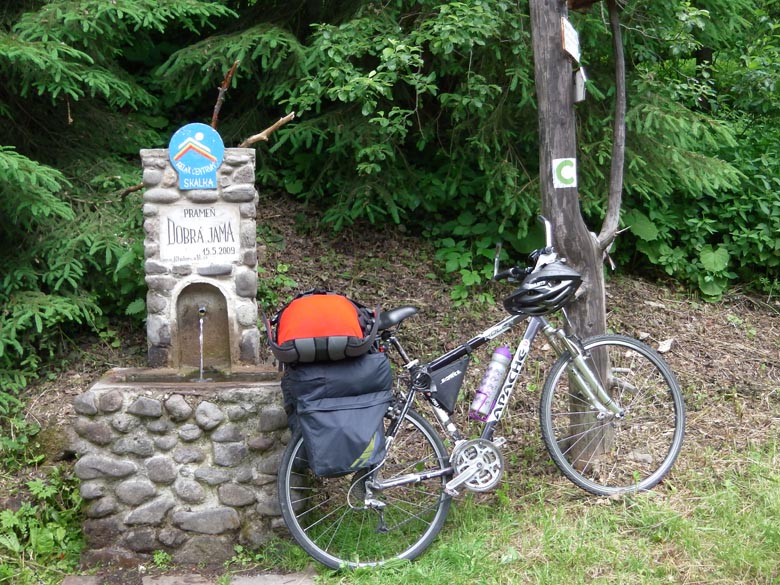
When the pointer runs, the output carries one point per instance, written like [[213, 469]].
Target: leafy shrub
[[43, 537], [701, 189]]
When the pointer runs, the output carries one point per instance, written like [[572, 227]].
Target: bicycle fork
[[583, 375]]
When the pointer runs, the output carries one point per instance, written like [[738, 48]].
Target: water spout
[[201, 314], [202, 339]]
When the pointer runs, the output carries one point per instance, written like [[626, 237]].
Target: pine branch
[[132, 189], [221, 97], [268, 131]]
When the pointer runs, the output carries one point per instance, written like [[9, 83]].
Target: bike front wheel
[[607, 454], [342, 525]]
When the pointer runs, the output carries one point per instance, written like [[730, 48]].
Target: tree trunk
[[560, 204], [554, 91], [609, 228]]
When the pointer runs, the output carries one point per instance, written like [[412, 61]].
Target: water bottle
[[491, 384]]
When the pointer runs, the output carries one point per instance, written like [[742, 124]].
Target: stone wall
[[166, 278], [189, 469]]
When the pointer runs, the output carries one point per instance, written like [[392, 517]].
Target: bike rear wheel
[[328, 517], [606, 454]]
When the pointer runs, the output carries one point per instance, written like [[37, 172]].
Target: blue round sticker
[[196, 152]]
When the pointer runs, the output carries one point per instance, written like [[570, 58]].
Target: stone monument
[[182, 456]]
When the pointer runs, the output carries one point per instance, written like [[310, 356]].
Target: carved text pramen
[[199, 233]]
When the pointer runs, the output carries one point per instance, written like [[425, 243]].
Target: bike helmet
[[544, 291]]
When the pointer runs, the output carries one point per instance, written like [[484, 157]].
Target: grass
[[694, 528]]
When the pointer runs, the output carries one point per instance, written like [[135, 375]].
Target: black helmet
[[544, 291]]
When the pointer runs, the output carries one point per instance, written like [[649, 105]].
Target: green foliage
[[275, 289], [42, 540], [414, 122], [71, 248], [700, 197], [263, 50], [162, 560], [69, 279], [38, 182], [373, 97], [71, 48], [469, 258], [682, 234], [420, 114], [17, 446]]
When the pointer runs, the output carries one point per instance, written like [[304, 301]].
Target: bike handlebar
[[514, 272], [546, 254]]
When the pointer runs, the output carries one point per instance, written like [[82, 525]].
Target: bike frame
[[534, 325], [582, 375]]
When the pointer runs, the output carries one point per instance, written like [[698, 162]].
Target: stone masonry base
[[187, 468]]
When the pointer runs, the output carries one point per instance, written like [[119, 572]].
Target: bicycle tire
[[612, 455], [321, 519]]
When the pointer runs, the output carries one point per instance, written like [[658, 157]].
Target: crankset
[[478, 465]]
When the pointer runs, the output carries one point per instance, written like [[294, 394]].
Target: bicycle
[[611, 412]]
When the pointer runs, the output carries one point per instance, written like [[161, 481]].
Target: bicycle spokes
[[371, 516], [606, 453]]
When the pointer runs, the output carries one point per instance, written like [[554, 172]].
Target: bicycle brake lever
[[496, 260], [548, 235]]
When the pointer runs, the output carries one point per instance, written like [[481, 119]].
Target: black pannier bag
[[339, 407], [446, 383]]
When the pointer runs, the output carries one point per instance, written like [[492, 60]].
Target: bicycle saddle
[[393, 317]]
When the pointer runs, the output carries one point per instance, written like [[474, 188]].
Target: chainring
[[486, 457]]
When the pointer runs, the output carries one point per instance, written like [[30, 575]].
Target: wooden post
[[558, 142], [560, 198]]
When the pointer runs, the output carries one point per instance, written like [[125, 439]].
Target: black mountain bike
[[611, 412]]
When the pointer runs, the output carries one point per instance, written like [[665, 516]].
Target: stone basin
[[190, 379], [182, 466]]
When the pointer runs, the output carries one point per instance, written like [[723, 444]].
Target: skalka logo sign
[[196, 152]]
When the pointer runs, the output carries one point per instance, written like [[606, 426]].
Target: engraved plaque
[[199, 234]]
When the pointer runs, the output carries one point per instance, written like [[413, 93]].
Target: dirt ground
[[726, 354]]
